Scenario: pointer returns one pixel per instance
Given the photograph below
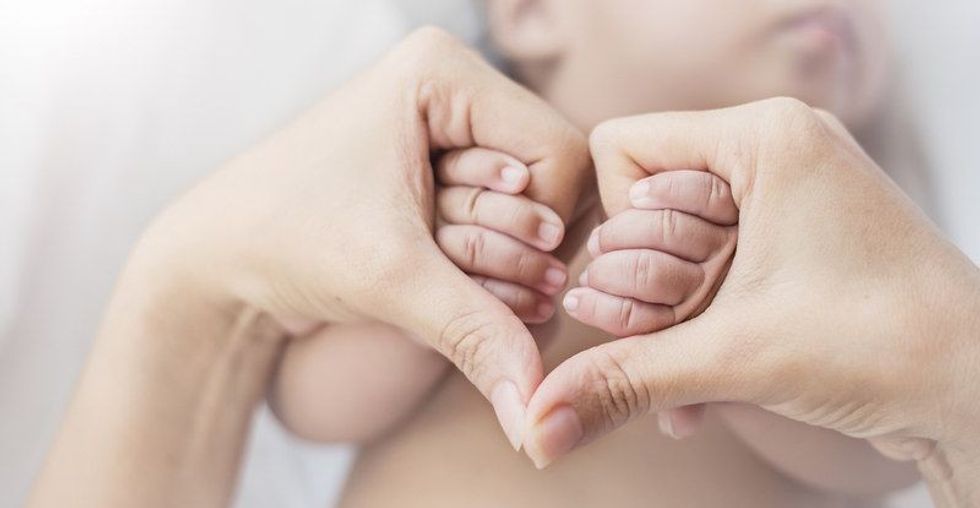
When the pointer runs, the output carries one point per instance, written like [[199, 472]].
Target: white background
[[109, 107]]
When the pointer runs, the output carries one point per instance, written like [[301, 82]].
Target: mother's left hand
[[843, 308], [329, 220]]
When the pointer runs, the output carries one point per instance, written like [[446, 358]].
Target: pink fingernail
[[640, 193], [512, 175], [666, 424], [509, 407], [593, 243], [583, 278], [550, 233], [555, 435], [555, 277], [546, 310], [570, 302]]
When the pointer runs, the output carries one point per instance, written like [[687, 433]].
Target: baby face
[[621, 57]]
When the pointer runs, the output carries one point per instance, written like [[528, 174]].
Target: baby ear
[[526, 31]]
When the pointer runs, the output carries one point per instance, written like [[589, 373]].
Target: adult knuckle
[[787, 106], [619, 394], [419, 59], [825, 115], [465, 340], [795, 119], [427, 39]]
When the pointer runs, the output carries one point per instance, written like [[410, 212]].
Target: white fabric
[[108, 108]]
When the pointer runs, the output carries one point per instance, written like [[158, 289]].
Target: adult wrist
[[952, 469], [165, 402]]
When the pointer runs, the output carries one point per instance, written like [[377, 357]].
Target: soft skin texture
[[596, 60], [892, 354], [275, 242], [600, 60], [828, 54], [354, 382], [187, 348]]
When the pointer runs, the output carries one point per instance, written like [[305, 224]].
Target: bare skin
[[449, 453]]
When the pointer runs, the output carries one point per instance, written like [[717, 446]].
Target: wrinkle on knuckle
[[641, 269], [718, 194], [620, 396], [627, 308], [668, 225], [465, 341], [524, 265], [472, 203], [474, 246]]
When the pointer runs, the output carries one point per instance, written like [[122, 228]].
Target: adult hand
[[329, 220], [843, 307]]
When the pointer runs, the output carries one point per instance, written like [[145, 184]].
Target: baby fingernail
[[583, 278], [549, 232], [555, 435], [509, 407], [640, 193], [555, 277], [570, 302], [545, 310], [512, 175], [593, 243], [666, 425]]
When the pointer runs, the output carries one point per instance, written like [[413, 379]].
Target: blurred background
[[110, 108]]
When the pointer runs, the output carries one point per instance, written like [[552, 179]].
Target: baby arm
[[660, 264], [352, 383]]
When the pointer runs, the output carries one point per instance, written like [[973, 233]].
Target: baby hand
[[661, 262], [496, 235]]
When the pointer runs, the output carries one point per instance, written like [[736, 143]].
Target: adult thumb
[[602, 388], [439, 304]]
